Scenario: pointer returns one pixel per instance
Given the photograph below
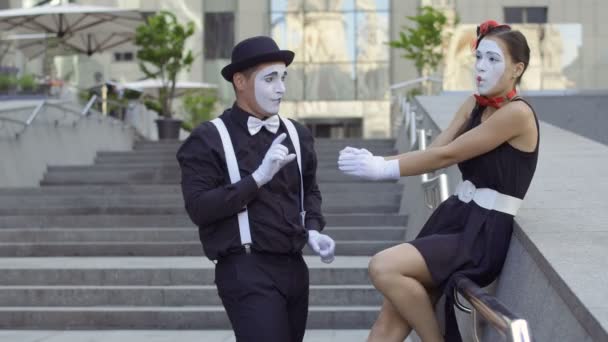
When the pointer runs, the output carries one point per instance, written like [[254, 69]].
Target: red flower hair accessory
[[486, 27]]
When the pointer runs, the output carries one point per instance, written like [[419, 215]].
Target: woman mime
[[494, 139]]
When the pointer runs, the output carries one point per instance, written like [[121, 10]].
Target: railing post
[[88, 106], [35, 113]]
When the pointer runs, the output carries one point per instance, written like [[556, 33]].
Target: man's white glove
[[322, 244], [362, 163], [276, 157]]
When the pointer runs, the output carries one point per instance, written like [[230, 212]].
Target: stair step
[[159, 248], [312, 335], [170, 159], [154, 220], [175, 295], [321, 151], [135, 209], [355, 142], [330, 162], [155, 271], [84, 200], [175, 189], [318, 141], [182, 317], [169, 234], [157, 176]]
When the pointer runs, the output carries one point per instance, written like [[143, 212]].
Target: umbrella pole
[[104, 99]]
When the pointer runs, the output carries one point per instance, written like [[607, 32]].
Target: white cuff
[[258, 178], [391, 169]]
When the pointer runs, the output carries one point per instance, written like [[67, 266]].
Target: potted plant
[[27, 83], [8, 84], [198, 107], [162, 55]]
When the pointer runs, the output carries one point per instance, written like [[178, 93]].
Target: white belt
[[488, 198]]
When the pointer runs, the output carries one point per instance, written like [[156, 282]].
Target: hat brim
[[285, 56]]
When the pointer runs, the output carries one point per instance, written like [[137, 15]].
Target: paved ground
[[164, 336]]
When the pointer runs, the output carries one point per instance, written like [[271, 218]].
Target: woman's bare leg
[[402, 276], [390, 326]]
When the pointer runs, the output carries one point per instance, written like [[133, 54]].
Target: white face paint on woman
[[270, 87], [490, 65]]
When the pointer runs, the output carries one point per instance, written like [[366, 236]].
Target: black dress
[[465, 239]]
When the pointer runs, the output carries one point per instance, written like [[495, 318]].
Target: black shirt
[[212, 202]]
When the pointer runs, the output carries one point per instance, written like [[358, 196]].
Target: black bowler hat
[[254, 51]]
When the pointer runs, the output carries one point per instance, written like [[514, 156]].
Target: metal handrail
[[89, 104], [415, 81], [402, 102], [511, 326], [435, 188], [38, 108], [27, 122], [34, 114]]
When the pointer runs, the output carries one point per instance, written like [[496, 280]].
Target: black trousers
[[265, 296]]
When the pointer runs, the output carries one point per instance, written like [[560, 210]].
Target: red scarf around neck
[[495, 102]]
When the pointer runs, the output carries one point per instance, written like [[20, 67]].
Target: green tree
[[198, 107], [162, 54], [422, 43]]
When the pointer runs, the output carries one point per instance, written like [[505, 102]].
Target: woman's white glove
[[276, 157], [362, 163], [322, 244]]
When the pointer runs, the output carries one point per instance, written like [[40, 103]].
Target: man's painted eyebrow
[[274, 73]]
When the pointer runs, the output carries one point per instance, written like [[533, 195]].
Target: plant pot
[[168, 129]]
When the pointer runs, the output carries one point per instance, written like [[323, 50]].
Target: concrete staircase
[[109, 246]]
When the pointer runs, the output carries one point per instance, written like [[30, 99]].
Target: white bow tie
[[271, 124]]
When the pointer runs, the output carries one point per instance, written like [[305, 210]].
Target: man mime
[[249, 184]]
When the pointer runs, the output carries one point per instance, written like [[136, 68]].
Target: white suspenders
[[295, 140], [235, 176]]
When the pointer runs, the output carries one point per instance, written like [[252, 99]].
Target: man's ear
[[240, 81]]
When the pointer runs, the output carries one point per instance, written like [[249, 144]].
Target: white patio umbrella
[[79, 43], [78, 28]]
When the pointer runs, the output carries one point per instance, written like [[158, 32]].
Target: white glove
[[276, 157], [322, 244], [362, 163]]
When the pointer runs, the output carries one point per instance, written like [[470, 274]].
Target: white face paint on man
[[270, 87], [490, 65]]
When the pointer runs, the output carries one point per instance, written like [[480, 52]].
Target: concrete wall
[[554, 274], [74, 142], [584, 114]]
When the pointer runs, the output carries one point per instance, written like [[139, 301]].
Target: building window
[[340, 46], [335, 128], [124, 56], [526, 15], [219, 35]]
